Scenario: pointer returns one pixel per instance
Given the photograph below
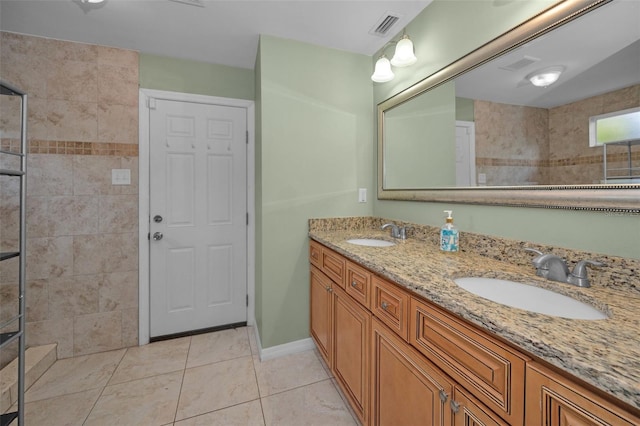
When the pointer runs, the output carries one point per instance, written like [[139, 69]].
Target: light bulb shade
[[404, 56], [382, 72], [545, 77]]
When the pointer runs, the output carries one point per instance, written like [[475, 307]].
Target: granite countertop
[[604, 353]]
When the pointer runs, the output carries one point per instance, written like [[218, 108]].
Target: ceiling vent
[[384, 24], [520, 64], [198, 3]]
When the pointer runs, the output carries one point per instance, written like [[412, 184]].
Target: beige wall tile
[[49, 175], [118, 291], [97, 332], [78, 93], [59, 330], [94, 254], [130, 163], [73, 215], [92, 174], [49, 257], [130, 327], [64, 50], [37, 217], [73, 296], [72, 121], [118, 213], [117, 85], [117, 123]]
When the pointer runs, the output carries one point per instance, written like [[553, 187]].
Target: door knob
[[157, 218], [157, 236]]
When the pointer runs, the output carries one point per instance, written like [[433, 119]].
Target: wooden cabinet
[[468, 411], [390, 304], [351, 330], [320, 311], [406, 389], [401, 360], [358, 283], [553, 400], [493, 372], [340, 325]]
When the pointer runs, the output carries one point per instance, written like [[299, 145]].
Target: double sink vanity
[[413, 337]]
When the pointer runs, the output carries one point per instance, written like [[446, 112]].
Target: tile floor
[[207, 379]]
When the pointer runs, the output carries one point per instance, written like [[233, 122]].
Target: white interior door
[[465, 154], [198, 210]]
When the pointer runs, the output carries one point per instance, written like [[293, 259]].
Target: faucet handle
[[580, 270], [579, 275], [532, 250]]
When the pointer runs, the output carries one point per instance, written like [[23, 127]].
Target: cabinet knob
[[354, 284], [455, 407], [384, 305], [443, 396]]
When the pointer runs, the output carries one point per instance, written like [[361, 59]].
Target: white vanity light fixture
[[92, 1], [546, 76], [403, 56]]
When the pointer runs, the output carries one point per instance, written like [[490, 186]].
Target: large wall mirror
[[480, 130]]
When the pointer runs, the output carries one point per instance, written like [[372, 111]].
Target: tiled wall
[[82, 231], [573, 161], [511, 143], [518, 145]]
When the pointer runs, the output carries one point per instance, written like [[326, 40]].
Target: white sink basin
[[371, 242], [529, 298]]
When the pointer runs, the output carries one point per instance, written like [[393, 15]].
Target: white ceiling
[[600, 51], [221, 32]]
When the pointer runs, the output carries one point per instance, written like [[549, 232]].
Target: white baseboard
[[284, 349]]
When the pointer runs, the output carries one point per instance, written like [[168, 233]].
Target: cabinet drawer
[[493, 372], [390, 305], [329, 262], [315, 254], [358, 283]]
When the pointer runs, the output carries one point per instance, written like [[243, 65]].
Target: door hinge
[[247, 218], [151, 103], [149, 236], [247, 137], [247, 300]]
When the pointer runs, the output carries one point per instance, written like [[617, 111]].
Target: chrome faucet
[[554, 268], [396, 231]]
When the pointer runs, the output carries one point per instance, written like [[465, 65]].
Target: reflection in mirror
[[525, 134]]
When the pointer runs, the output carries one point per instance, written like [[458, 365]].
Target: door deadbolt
[[157, 236], [157, 218]]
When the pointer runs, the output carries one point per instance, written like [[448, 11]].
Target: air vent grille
[[520, 64], [385, 24]]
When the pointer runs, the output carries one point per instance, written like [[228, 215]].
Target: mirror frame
[[610, 198]]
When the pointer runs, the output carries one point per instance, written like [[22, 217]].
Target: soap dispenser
[[449, 234]]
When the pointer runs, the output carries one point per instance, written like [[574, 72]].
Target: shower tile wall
[[518, 145], [82, 258]]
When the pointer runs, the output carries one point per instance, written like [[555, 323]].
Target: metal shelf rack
[[628, 174], [20, 173]]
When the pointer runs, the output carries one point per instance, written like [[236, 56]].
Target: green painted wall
[[439, 41], [179, 75], [316, 150]]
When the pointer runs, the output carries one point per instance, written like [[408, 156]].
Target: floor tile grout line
[[104, 387], [184, 372]]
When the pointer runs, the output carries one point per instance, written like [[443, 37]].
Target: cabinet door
[[320, 312], [351, 328], [406, 389], [468, 411], [488, 368], [553, 400]]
